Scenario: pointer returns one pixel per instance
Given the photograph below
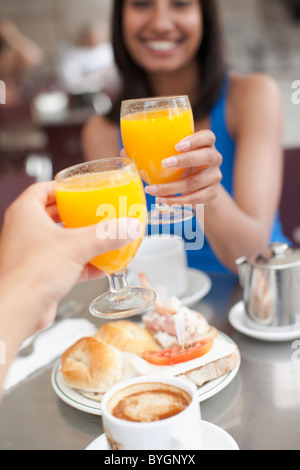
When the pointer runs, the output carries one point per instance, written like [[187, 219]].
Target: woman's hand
[[200, 181]]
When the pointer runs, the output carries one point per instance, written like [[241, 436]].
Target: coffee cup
[[163, 260], [149, 413]]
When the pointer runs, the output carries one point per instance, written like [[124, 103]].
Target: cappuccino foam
[[148, 402]]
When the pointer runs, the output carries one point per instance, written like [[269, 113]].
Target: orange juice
[[90, 199], [149, 137]]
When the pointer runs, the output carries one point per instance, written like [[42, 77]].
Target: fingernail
[[183, 145], [151, 190], [172, 161]]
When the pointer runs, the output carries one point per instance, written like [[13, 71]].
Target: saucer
[[214, 438], [240, 322], [199, 285]]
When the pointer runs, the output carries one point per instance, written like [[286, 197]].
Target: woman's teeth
[[162, 45]]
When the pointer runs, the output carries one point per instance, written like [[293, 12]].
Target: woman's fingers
[[203, 142], [202, 196], [207, 156], [189, 184]]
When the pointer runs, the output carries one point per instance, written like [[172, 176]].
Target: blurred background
[[63, 72]]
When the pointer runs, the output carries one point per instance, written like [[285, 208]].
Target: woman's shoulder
[[100, 138], [254, 84], [255, 95]]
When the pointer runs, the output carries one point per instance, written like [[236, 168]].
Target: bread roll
[[91, 364], [127, 336]]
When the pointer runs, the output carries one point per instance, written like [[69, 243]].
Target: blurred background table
[[260, 408]]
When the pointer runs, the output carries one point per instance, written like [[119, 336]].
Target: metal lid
[[277, 256]]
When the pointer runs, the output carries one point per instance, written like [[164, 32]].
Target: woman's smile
[[161, 45]]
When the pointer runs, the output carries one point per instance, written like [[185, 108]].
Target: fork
[[66, 310]]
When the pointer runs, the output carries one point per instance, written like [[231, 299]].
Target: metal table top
[[260, 408]]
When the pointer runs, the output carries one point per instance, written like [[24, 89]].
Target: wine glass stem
[[117, 282]]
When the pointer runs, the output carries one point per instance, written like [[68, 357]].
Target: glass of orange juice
[[104, 191], [151, 128]]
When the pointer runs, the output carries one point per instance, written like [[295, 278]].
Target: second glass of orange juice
[[103, 191], [151, 128]]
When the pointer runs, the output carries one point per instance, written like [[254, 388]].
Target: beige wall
[[48, 22]]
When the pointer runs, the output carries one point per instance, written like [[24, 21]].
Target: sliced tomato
[[167, 357]]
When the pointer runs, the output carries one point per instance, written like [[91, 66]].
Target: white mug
[[163, 260], [182, 431]]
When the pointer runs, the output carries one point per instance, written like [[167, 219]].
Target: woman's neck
[[183, 82]]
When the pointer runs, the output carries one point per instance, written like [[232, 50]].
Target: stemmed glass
[[151, 128], [105, 190]]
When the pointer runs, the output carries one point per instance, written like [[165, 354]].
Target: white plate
[[242, 323], [199, 285], [214, 438], [76, 400]]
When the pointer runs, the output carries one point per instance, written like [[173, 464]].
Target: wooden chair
[[290, 202]]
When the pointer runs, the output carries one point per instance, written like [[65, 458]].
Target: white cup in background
[[163, 260], [182, 431]]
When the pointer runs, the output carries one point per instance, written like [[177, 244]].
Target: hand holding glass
[[150, 130], [100, 191]]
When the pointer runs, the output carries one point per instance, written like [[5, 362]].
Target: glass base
[[123, 304], [164, 214]]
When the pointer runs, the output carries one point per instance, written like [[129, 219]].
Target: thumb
[[106, 236]]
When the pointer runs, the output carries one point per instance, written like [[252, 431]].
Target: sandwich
[[191, 347], [165, 326], [171, 323]]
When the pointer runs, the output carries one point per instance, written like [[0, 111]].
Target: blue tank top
[[199, 253]]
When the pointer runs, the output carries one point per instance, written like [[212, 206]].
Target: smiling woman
[[165, 37]]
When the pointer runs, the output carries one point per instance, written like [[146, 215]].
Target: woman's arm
[[258, 175], [241, 224], [100, 139]]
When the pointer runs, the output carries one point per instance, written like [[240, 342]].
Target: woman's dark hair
[[210, 56], [2, 44]]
